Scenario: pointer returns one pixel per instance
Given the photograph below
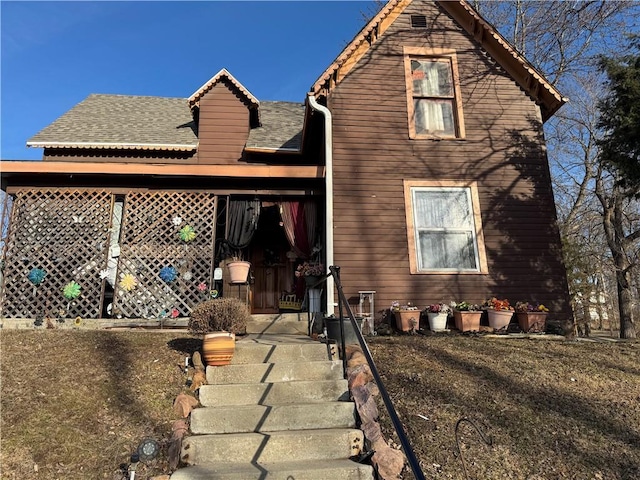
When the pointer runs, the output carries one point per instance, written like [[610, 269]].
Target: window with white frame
[[433, 94], [445, 234]]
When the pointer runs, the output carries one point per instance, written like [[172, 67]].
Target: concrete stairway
[[281, 410]]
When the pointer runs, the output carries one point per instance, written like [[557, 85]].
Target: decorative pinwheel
[[128, 282], [71, 290], [168, 274], [36, 276], [187, 233]]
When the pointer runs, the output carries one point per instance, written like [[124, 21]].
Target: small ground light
[[148, 450]]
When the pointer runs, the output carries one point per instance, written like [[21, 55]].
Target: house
[[416, 163]]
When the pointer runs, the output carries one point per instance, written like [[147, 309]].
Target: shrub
[[219, 314]]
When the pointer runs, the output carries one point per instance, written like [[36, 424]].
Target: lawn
[[75, 404], [554, 409]]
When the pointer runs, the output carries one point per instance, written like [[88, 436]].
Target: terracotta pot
[[407, 320], [437, 321], [499, 319], [238, 271], [467, 321], [218, 348], [532, 322]]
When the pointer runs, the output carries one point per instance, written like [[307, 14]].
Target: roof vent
[[418, 21]]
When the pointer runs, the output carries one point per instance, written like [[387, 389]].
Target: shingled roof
[[280, 128], [122, 121], [158, 123]]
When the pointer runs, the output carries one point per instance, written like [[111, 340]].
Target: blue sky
[[54, 54]]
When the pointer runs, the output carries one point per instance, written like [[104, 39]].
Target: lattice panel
[[65, 233], [150, 241]]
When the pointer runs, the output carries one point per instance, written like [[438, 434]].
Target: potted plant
[[238, 268], [219, 320], [407, 316], [466, 316], [532, 317], [499, 312], [437, 313], [311, 272]]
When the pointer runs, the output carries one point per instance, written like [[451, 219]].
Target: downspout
[[328, 153]]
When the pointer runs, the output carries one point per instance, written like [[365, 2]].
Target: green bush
[[219, 314]]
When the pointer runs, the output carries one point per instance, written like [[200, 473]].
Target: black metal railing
[[343, 304]]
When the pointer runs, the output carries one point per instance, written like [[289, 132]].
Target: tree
[[620, 117]]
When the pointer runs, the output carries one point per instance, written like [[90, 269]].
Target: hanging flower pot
[[238, 271]]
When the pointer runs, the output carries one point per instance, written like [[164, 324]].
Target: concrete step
[[273, 418], [294, 445], [248, 352], [276, 393], [287, 323], [275, 372], [342, 469]]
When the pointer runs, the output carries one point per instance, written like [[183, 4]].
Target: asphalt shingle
[[144, 122]]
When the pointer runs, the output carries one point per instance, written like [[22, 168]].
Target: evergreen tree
[[620, 117]]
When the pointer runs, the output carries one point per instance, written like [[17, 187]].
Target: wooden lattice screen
[[64, 233], [150, 242]]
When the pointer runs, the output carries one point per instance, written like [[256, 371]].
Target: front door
[[272, 270]]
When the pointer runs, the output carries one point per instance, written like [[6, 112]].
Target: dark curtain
[[243, 223]]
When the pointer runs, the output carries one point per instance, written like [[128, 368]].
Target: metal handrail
[[404, 441]]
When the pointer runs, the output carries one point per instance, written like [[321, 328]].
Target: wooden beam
[[112, 168]]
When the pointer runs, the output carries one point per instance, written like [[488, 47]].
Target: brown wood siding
[[223, 125], [503, 151]]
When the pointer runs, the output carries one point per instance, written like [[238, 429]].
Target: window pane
[[431, 78], [442, 250], [433, 116], [437, 208]]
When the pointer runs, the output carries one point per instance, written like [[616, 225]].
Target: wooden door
[[273, 273]]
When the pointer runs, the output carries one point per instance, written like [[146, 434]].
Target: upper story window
[[433, 94], [444, 227]]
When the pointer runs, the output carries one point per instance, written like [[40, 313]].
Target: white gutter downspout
[[328, 152]]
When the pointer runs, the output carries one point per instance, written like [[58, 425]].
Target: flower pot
[[467, 321], [238, 271], [532, 322], [333, 330], [407, 320], [312, 281], [437, 321], [499, 319], [218, 348]]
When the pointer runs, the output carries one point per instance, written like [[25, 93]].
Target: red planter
[[467, 321], [407, 320], [532, 322], [499, 319]]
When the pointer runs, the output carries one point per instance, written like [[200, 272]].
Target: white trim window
[[444, 228]]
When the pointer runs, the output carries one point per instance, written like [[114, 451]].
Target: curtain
[[300, 224], [445, 229], [243, 223]]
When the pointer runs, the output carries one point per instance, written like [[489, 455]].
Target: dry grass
[[77, 403], [554, 409]]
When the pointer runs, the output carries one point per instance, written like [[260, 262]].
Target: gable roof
[[524, 73], [194, 100], [159, 123]]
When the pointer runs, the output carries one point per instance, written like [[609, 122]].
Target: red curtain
[[295, 226]]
